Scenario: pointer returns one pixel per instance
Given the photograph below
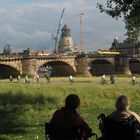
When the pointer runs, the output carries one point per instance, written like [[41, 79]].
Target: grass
[[24, 108]]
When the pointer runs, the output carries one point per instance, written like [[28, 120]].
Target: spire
[[65, 27], [65, 31]]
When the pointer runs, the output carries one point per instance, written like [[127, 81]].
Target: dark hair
[[72, 101], [122, 103]]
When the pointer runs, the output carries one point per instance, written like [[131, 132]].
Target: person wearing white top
[[133, 80], [103, 79], [71, 79]]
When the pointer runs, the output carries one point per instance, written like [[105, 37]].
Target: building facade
[[126, 49], [66, 42]]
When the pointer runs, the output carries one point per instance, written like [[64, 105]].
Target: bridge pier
[[29, 67], [123, 70], [122, 65], [82, 67]]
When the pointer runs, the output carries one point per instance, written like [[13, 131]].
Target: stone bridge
[[103, 64], [61, 65], [10, 65], [30, 65], [66, 65]]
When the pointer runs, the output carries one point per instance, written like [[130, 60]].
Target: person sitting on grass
[[122, 106], [122, 124], [68, 115]]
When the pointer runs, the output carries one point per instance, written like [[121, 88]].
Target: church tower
[[66, 41]]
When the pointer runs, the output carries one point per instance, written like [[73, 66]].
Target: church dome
[[66, 41]]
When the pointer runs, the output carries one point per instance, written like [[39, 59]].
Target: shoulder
[[58, 112], [79, 119], [136, 116], [119, 115], [113, 114], [57, 116]]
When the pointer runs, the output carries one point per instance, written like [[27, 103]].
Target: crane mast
[[58, 30], [81, 31]]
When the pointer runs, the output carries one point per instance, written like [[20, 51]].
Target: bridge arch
[[7, 70], [134, 66], [101, 66], [59, 68]]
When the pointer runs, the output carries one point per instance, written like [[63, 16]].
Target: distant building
[[66, 42], [124, 48], [29, 51], [42, 52]]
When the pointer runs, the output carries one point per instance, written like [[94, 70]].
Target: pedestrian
[[47, 76], [18, 78], [112, 79], [37, 78], [133, 80], [71, 79], [11, 78], [27, 79], [103, 80]]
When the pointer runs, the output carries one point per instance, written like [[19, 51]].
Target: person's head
[[122, 103], [72, 101]]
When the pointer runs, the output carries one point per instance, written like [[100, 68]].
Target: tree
[[7, 49], [130, 10], [133, 32]]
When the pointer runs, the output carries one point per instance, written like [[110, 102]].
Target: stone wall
[[82, 66], [122, 65], [29, 67]]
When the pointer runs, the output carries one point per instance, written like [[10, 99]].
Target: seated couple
[[68, 124]]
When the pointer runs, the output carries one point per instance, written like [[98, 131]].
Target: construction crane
[[81, 29], [56, 37]]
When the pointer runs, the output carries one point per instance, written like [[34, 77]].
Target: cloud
[[23, 39], [30, 23]]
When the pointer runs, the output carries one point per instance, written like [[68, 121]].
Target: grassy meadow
[[24, 108]]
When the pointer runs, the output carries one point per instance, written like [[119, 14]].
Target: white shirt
[[134, 78], [103, 76], [71, 77]]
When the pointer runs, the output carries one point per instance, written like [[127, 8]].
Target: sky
[[30, 23]]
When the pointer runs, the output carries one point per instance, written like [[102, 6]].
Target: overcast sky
[[29, 23]]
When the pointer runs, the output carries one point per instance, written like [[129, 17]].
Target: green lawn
[[24, 108]]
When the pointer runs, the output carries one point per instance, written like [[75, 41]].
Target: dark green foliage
[[25, 108], [22, 99], [9, 119], [133, 31], [18, 111], [130, 10]]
